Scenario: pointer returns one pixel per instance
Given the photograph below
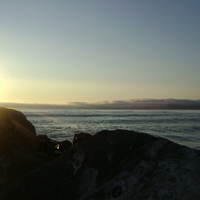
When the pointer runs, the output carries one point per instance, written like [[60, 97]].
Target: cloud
[[116, 104]]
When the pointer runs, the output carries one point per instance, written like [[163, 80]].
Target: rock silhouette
[[119, 164], [18, 146], [21, 151], [80, 137], [15, 132]]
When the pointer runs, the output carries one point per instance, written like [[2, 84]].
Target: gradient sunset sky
[[59, 51]]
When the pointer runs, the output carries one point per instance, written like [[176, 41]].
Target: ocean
[[180, 126]]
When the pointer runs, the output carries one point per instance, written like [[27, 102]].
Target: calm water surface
[[181, 126]]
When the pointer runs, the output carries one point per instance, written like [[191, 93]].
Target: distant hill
[[118, 104], [182, 107]]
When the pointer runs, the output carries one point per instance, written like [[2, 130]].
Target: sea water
[[180, 126]]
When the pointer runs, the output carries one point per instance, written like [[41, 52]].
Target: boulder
[[18, 146], [15, 132], [46, 145], [80, 137], [16, 119], [64, 145], [121, 165]]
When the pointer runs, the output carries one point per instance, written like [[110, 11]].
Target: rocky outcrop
[[46, 145], [120, 164], [16, 132], [18, 146], [63, 146], [80, 137], [21, 151]]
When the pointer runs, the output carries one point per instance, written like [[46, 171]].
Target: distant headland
[[161, 104]]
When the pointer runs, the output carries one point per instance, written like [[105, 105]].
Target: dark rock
[[18, 146], [42, 145], [43, 158], [117, 164], [80, 137], [64, 145], [46, 145], [15, 132], [44, 138], [117, 191], [16, 119], [19, 164]]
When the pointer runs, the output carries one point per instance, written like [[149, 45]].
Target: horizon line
[[115, 104]]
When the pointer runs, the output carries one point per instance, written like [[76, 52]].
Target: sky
[[60, 52]]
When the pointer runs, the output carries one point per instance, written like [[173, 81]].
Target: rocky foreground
[[118, 164]]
